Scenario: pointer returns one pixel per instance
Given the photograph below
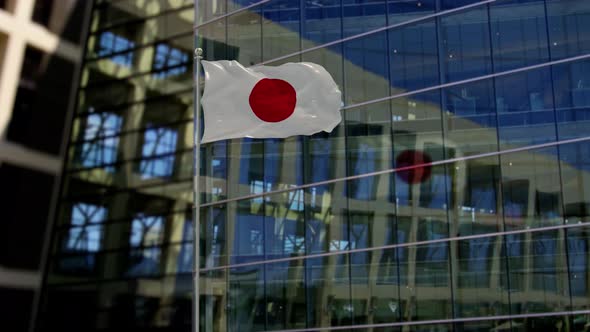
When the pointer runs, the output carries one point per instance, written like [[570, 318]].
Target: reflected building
[[488, 232]]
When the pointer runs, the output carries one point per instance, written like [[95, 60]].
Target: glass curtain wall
[[492, 237], [489, 101]]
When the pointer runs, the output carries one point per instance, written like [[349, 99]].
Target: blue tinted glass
[[413, 57], [214, 246], [474, 255], [365, 161], [322, 22], [244, 33], [519, 34], [404, 10], [435, 252], [471, 118], [87, 233], [362, 15], [369, 150], [249, 226], [185, 256], [246, 306], [251, 166], [100, 146], [434, 191], [111, 43], [146, 234], [526, 115], [280, 28], [84, 237], [158, 152], [169, 61], [451, 4], [365, 68], [215, 165], [569, 26], [465, 45], [578, 250], [572, 98], [417, 139]]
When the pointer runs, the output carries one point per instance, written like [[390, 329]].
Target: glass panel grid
[[441, 247]]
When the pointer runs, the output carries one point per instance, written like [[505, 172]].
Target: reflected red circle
[[409, 158], [273, 100]]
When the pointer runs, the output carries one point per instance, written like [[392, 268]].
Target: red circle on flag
[[273, 100], [410, 158]]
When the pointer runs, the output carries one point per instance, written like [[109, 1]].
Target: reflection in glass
[[110, 43], [470, 118], [479, 270], [322, 22], [84, 236], [428, 293], [146, 235], [169, 61], [575, 176], [578, 249], [404, 10], [86, 233], [100, 146], [465, 45], [568, 20], [359, 16], [519, 34], [413, 57], [526, 116], [537, 273], [244, 33], [246, 308], [280, 28], [572, 98], [531, 189], [158, 146], [364, 76]]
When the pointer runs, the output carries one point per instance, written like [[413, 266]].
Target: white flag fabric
[[268, 102]]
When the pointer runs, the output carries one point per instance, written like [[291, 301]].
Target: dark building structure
[[40, 56]]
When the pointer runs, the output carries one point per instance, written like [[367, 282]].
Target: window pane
[[537, 272], [158, 145], [531, 189], [526, 116], [519, 34], [465, 45], [569, 25], [404, 10], [572, 98], [280, 28], [322, 22], [362, 15], [413, 57], [244, 33], [365, 68], [101, 144]]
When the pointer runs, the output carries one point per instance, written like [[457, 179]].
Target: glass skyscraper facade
[[454, 196]]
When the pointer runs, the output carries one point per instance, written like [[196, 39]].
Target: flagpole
[[196, 189]]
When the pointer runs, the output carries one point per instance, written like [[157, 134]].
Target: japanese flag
[[268, 102]]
